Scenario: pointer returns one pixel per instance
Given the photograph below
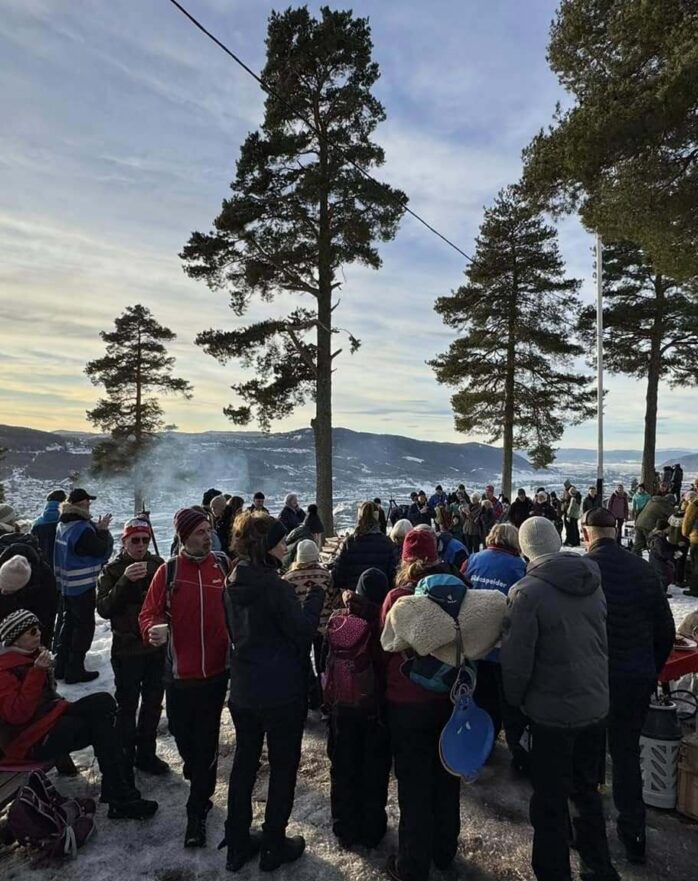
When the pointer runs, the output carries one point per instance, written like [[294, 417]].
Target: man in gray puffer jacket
[[554, 661]]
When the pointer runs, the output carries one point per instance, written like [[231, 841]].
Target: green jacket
[[120, 600], [658, 508]]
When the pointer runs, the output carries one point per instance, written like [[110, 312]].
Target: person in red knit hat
[[183, 610], [428, 796], [37, 725]]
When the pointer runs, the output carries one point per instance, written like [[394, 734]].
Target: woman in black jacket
[[366, 548], [271, 634]]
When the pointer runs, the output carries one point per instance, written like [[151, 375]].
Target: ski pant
[[629, 704], [358, 746], [89, 721], [76, 632], [283, 728], [194, 718], [138, 678], [428, 796], [565, 768]]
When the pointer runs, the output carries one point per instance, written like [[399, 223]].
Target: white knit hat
[[537, 537], [400, 530], [15, 574], [307, 551]]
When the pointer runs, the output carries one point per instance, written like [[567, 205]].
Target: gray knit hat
[[537, 537], [15, 574], [16, 624]]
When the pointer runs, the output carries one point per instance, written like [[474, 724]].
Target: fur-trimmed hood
[[418, 623]]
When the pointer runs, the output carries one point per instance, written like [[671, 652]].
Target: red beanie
[[186, 520], [420, 544], [135, 525]]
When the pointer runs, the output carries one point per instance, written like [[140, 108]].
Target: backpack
[[349, 679], [41, 818], [429, 672]]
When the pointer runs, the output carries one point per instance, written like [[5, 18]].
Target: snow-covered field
[[494, 846]]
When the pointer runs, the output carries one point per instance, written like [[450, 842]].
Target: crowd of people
[[248, 608]]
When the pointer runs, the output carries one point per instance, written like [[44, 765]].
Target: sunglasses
[[142, 540], [34, 631]]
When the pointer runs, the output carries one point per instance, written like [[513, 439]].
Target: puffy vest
[[75, 574]]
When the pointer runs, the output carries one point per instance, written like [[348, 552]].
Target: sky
[[121, 127]]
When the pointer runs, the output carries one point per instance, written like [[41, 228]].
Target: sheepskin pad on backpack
[[418, 623]]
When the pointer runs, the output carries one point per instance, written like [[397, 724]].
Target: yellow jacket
[[689, 527]]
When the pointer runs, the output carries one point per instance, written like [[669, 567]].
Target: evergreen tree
[[3, 452], [298, 212], [625, 154], [136, 364], [516, 314], [650, 331]]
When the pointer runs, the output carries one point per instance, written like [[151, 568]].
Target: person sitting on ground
[[305, 573], [183, 610], [270, 638], [428, 796], [662, 555], [82, 548], [38, 725], [44, 527], [27, 582], [258, 500], [554, 659], [365, 548], [311, 529], [358, 744], [138, 667], [292, 515]]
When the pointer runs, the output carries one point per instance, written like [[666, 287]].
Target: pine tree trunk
[[322, 423], [138, 500], [654, 370], [508, 428]]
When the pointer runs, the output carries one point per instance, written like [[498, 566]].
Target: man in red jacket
[[183, 610]]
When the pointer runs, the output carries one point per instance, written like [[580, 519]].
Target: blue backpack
[[429, 672]]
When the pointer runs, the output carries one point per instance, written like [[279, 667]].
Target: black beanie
[[313, 521], [277, 532], [208, 495], [373, 586]]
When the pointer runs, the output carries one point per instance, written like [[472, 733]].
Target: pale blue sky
[[121, 126]]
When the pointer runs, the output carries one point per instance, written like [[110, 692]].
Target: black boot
[[239, 856], [276, 852], [195, 834], [66, 766], [136, 809], [77, 673], [634, 847], [149, 763]]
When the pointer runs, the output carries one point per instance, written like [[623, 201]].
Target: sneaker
[[152, 764], [287, 851], [141, 809], [83, 675], [237, 858]]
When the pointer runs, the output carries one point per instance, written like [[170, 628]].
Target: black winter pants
[[194, 718], [572, 533], [358, 746], [630, 700], [283, 728], [428, 796], [488, 692], [138, 678], [89, 721], [565, 767], [76, 632]]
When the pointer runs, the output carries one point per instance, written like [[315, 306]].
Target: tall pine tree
[[135, 365], [516, 315], [298, 212], [650, 331]]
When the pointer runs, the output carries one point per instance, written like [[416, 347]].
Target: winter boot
[[136, 809], [148, 762], [77, 673], [277, 851], [195, 834], [66, 766], [634, 847], [239, 856]]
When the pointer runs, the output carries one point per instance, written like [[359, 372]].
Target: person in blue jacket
[[498, 567], [82, 547], [44, 527], [451, 550]]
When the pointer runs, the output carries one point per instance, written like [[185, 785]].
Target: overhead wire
[[267, 88]]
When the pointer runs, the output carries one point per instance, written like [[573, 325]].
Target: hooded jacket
[[44, 528], [270, 637], [198, 645], [554, 653], [617, 504], [640, 624], [38, 595], [29, 704], [120, 601]]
